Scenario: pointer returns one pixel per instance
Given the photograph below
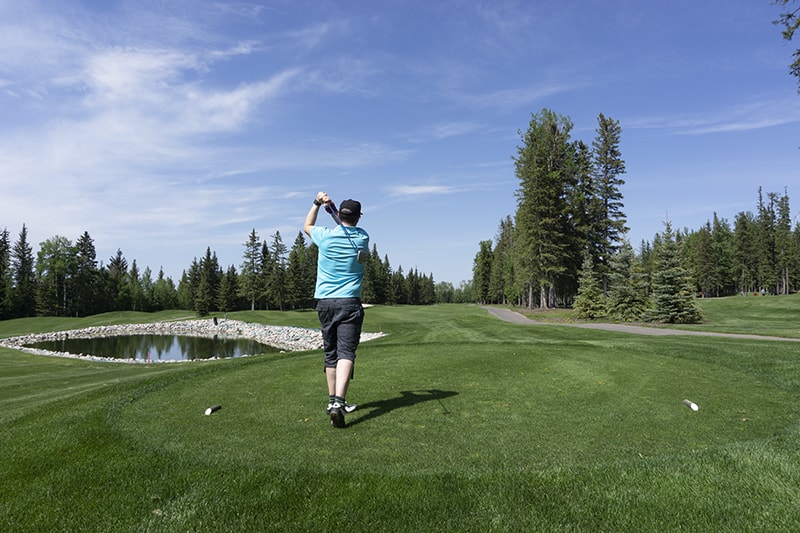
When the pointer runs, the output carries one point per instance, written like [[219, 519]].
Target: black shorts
[[340, 320]]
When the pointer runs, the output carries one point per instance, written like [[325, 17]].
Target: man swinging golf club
[[340, 273]]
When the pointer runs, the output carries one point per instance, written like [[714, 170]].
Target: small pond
[[157, 347]]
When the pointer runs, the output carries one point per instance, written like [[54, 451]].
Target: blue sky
[[166, 127]]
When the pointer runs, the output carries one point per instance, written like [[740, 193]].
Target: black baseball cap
[[351, 208]]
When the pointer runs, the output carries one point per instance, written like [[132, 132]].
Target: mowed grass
[[761, 315], [465, 423]]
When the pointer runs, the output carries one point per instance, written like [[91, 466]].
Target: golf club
[[330, 207]]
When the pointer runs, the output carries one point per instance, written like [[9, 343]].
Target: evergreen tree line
[[567, 245], [760, 251], [569, 206], [66, 279], [759, 254], [664, 293]]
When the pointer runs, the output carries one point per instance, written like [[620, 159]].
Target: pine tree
[[266, 266], [627, 293], [482, 272], [501, 285], [24, 289], [297, 287], [86, 283], [227, 293], [784, 247], [544, 167], [745, 255], [210, 274], [189, 285], [250, 270], [116, 288], [399, 291], [765, 242], [204, 297], [276, 281], [138, 296], [165, 295], [382, 288], [701, 260], [146, 286], [608, 224], [722, 249], [5, 275], [674, 299], [589, 303]]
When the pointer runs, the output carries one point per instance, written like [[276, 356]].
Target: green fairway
[[465, 423], [762, 315]]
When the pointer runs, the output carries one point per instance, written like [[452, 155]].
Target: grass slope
[[465, 424]]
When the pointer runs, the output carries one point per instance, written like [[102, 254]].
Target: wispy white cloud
[[517, 97], [454, 129], [766, 112], [420, 190], [313, 36]]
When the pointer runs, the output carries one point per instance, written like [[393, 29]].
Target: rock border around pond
[[285, 338]]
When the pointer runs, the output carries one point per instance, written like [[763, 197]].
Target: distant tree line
[[759, 254], [567, 243], [66, 279]]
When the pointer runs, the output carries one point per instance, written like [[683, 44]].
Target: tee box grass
[[465, 423]]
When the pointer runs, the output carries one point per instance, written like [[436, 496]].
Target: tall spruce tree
[[784, 247], [722, 249], [117, 289], [297, 277], [766, 257], [228, 291], [86, 283], [482, 272], [377, 278], [138, 296], [188, 285], [165, 295], [205, 300], [609, 220], [399, 294], [543, 166], [250, 270], [144, 289], [5, 274], [501, 287], [701, 260], [266, 267], [745, 254], [24, 278], [276, 281], [674, 299]]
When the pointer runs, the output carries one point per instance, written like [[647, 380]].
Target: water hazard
[[157, 348]]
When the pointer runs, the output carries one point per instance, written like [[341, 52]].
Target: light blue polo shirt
[[339, 274]]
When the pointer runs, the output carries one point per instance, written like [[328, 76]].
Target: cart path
[[518, 318]]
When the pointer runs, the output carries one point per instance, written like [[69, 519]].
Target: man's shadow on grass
[[406, 399]]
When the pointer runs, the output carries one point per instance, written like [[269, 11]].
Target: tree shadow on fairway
[[406, 399]]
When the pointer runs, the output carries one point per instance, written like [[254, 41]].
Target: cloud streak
[[746, 116], [420, 190]]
